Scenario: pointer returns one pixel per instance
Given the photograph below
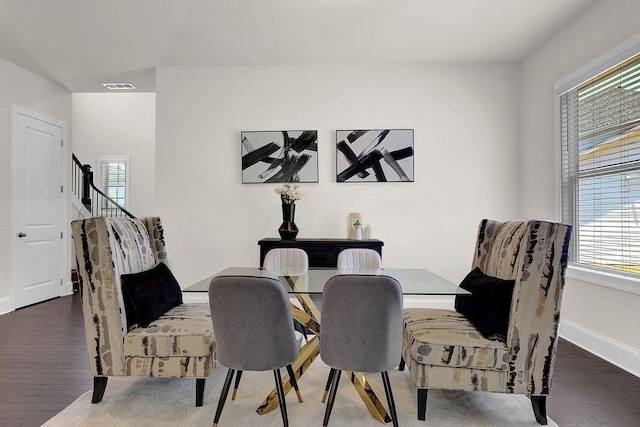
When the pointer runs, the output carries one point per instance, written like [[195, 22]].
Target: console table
[[321, 252]]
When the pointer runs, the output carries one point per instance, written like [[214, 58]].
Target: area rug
[[154, 402]]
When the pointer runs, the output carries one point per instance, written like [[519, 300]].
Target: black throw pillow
[[489, 305], [149, 294]]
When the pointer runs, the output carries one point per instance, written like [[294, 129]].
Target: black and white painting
[[279, 156], [380, 155]]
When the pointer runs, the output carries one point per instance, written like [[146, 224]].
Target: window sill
[[609, 280]]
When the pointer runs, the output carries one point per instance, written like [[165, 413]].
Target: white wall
[[23, 88], [108, 124], [466, 126], [599, 314]]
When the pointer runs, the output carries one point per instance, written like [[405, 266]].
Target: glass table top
[[414, 281]]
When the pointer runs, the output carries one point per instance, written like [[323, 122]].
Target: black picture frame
[[279, 156], [375, 155]]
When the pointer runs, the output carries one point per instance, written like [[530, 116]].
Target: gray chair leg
[[281, 399], [390, 401], [332, 396], [539, 404], [302, 329], [99, 386], [422, 403], [223, 396], [200, 382]]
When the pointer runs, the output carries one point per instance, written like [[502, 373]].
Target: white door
[[37, 197]]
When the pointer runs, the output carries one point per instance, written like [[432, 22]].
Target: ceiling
[[80, 44]]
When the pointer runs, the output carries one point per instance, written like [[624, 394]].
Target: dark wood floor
[[587, 391], [44, 368], [43, 361]]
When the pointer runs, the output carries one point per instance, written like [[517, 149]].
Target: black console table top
[[322, 252]]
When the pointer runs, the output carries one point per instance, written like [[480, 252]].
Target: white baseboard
[[66, 289], [189, 297], [612, 351], [5, 305], [419, 301]]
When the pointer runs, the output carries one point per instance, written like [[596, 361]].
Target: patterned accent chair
[[443, 350], [178, 344]]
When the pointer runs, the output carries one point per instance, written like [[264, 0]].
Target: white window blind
[[114, 180], [600, 137]]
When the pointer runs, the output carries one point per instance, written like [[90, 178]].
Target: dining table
[[306, 286]]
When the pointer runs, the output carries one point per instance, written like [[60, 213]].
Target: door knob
[[22, 234]]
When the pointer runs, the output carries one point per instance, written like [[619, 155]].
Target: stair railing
[[92, 198]]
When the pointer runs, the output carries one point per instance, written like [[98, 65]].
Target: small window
[[114, 180]]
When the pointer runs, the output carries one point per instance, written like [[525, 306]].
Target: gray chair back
[[252, 323], [361, 323]]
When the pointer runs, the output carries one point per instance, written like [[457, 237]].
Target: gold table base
[[310, 316]]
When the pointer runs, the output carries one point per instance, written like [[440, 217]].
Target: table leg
[[307, 355], [305, 319], [308, 306], [368, 396]]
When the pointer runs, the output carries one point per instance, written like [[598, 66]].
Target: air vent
[[119, 86]]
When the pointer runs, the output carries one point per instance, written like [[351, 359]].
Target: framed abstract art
[[279, 156], [378, 155]]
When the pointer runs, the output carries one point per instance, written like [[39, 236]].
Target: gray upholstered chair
[[264, 340], [283, 260], [361, 330], [359, 258], [444, 350], [290, 262]]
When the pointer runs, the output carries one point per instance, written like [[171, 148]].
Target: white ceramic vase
[[358, 232]]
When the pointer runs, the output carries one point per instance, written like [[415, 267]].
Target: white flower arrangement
[[289, 193]]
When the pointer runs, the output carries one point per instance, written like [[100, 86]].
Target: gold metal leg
[[308, 306], [307, 355], [305, 319], [368, 396]]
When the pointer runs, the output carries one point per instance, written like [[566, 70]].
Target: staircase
[[88, 199]]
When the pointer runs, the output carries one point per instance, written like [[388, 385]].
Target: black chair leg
[[294, 382], [99, 386], [223, 396], [199, 391], [332, 395], [235, 386], [422, 403], [539, 404], [283, 403], [390, 401], [401, 365], [301, 328], [332, 372]]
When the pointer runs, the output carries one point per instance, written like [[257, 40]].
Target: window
[[114, 179], [600, 148]]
